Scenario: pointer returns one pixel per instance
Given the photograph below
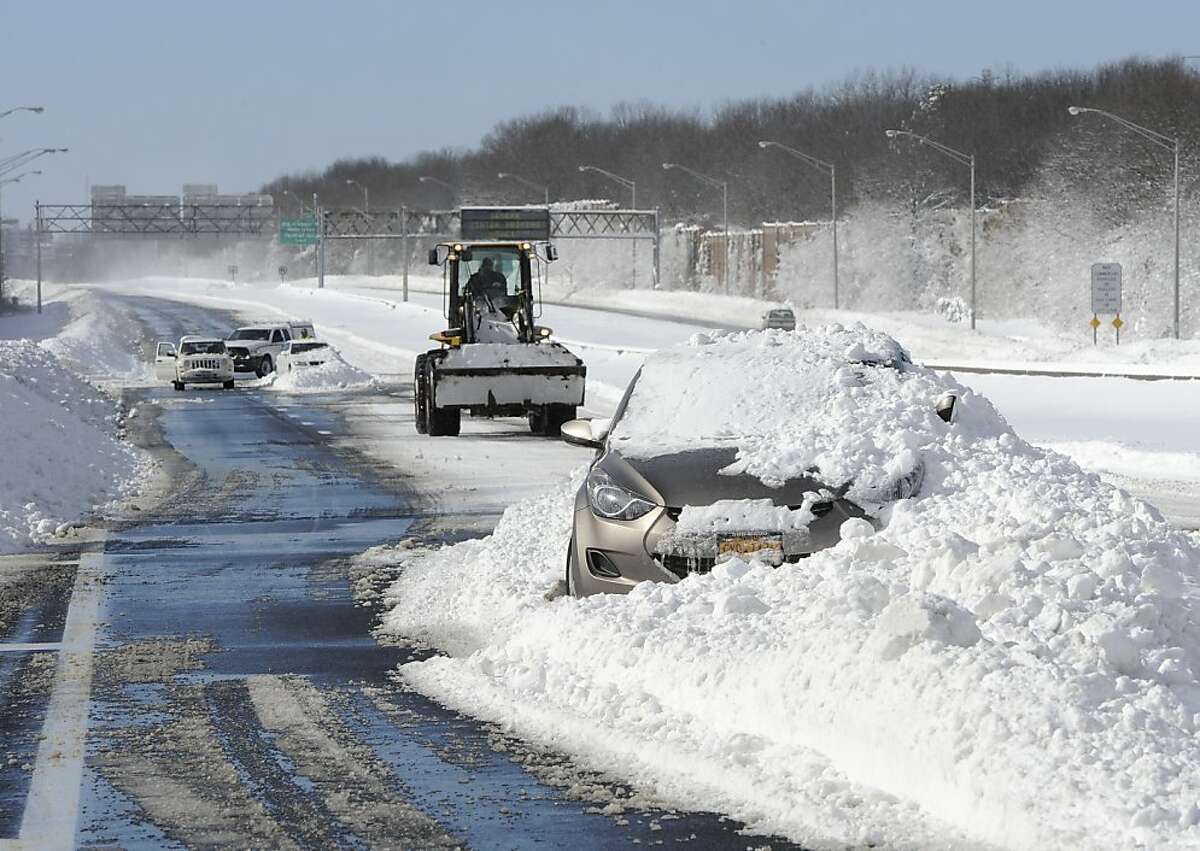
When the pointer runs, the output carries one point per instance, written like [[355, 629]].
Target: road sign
[[302, 231], [1117, 323], [1095, 323], [1106, 288], [505, 224]]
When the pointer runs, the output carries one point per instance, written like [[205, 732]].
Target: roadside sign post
[[233, 270], [282, 274], [1106, 297]]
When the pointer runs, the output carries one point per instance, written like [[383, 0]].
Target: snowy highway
[[226, 664], [234, 678]]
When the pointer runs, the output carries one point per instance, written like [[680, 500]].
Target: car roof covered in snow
[[845, 403]]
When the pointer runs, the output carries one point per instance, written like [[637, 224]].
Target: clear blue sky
[[155, 94]]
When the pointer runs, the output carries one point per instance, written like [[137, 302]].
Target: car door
[[164, 362]]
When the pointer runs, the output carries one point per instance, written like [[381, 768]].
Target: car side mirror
[[433, 257], [945, 407], [579, 433], [551, 252]]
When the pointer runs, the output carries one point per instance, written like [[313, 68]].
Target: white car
[[256, 348], [298, 354], [198, 360]]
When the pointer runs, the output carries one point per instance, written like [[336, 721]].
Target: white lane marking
[[52, 807], [30, 647]]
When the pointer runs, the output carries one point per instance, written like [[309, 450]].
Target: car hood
[[694, 478]]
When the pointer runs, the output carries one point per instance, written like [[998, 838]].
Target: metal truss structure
[[604, 224], [564, 224], [167, 219], [446, 224]]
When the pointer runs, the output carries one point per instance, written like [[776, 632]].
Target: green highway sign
[[299, 231]]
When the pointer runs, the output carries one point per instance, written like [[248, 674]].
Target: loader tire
[[444, 422], [440, 422], [548, 420], [420, 396]]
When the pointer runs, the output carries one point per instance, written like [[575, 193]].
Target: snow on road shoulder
[[60, 458], [1012, 658], [334, 374]]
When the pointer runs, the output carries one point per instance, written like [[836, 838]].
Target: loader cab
[[500, 279]]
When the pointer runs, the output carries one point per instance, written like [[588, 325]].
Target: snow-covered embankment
[[1011, 660], [60, 456]]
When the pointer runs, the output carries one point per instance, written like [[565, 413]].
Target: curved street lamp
[[510, 176], [629, 184], [367, 215], [714, 184], [22, 109], [964, 159], [1171, 144], [819, 164]]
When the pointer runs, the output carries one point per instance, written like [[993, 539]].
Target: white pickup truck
[[256, 348], [198, 360]]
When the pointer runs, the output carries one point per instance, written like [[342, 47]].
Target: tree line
[[1017, 125]]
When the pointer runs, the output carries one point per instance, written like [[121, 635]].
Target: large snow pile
[[100, 340], [334, 374], [59, 458], [1011, 659]]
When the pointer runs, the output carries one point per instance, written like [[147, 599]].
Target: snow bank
[[334, 374], [100, 341], [1011, 659], [59, 457]]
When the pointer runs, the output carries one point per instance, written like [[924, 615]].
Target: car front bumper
[[631, 548]]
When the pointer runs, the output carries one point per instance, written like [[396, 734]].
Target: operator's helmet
[[487, 263]]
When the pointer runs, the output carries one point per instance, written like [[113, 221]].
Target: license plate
[[766, 548]]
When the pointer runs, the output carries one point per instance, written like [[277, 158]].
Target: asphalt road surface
[[202, 676]]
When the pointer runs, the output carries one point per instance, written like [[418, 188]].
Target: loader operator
[[492, 284]]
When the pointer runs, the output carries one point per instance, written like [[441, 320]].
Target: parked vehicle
[[298, 354], [256, 348], [780, 317], [673, 490], [197, 360]]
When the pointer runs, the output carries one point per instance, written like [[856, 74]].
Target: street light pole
[[964, 159], [3, 256], [22, 109], [367, 211], [545, 189], [16, 161], [438, 181], [713, 183], [1163, 141], [629, 184], [819, 164]]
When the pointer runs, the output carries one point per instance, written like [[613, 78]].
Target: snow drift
[[1010, 660], [59, 457], [334, 374]]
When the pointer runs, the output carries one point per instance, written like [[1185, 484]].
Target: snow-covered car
[[297, 354], [256, 348], [197, 360], [743, 445], [780, 317]]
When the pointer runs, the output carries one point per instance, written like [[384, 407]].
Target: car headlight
[[612, 501]]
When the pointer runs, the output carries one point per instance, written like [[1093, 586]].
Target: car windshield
[[203, 347], [306, 347], [250, 334]]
